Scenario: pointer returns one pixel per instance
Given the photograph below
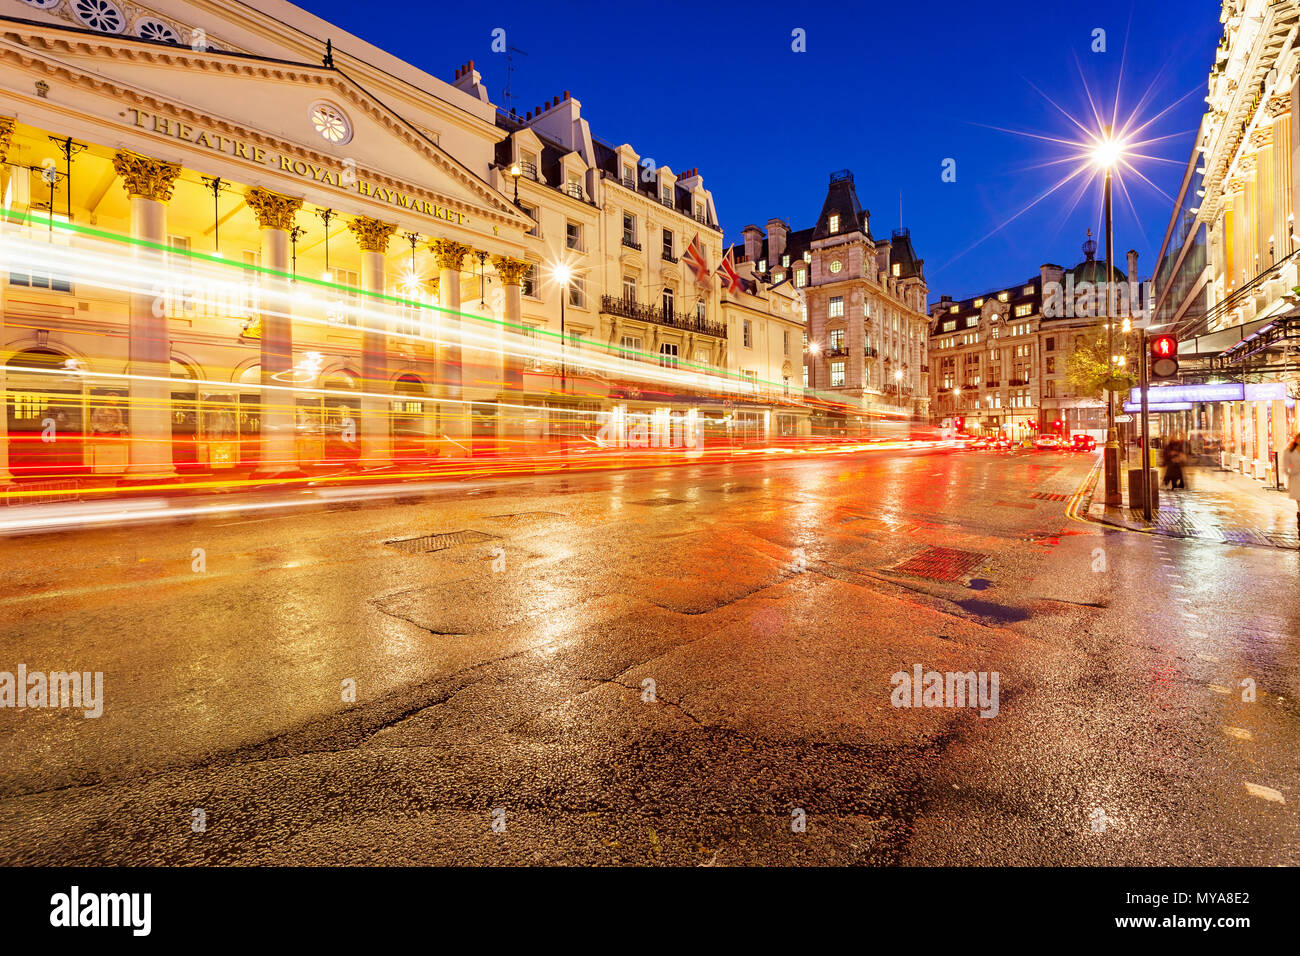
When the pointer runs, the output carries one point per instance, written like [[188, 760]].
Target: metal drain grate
[[520, 515], [1048, 496], [660, 502], [439, 542], [941, 564]]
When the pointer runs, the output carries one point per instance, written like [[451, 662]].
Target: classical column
[[149, 183], [1251, 257], [279, 451], [512, 272], [372, 236], [6, 136], [1262, 141], [1279, 110], [455, 412]]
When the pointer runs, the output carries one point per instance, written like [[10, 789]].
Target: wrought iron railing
[[671, 318]]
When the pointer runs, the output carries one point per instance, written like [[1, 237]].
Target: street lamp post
[[813, 349], [1107, 153], [515, 173]]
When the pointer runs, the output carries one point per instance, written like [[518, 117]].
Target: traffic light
[[959, 422], [1164, 356]]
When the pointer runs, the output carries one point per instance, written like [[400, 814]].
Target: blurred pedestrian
[[1171, 457], [1291, 468]]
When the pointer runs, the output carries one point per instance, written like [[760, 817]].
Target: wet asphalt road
[[503, 712]]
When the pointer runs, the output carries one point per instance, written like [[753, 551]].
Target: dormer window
[[629, 175], [896, 270], [807, 257], [977, 303], [833, 224], [1002, 296], [785, 260]]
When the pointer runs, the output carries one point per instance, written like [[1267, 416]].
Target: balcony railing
[[528, 171], [870, 351], [1016, 382], [669, 257], [838, 352], [631, 243], [573, 189], [671, 318]]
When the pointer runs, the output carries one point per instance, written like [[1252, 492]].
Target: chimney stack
[[777, 234]]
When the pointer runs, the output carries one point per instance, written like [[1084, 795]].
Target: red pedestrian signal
[[1164, 356]]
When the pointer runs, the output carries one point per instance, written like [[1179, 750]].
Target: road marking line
[[1264, 793], [1239, 733], [1220, 689]]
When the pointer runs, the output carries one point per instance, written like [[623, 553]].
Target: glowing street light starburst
[[1105, 141]]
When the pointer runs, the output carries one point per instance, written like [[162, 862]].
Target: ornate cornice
[[372, 234], [25, 48], [449, 253], [6, 136], [1263, 136], [145, 177], [273, 210], [1278, 105], [511, 271]]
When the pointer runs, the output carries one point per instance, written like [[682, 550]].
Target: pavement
[[688, 666], [1217, 505]]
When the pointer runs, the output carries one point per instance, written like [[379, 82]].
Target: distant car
[[1084, 443], [982, 443], [1047, 443], [1003, 442]]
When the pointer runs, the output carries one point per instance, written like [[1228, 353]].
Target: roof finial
[[329, 54], [1089, 246]]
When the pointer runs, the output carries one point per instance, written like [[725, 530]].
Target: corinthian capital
[[449, 253], [511, 271], [1278, 105], [145, 177], [6, 135], [273, 211], [372, 234]]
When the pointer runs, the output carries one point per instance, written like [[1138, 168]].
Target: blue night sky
[[886, 90]]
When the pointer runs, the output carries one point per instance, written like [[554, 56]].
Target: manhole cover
[[660, 502], [439, 542], [941, 564]]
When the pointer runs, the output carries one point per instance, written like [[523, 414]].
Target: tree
[[1090, 371]]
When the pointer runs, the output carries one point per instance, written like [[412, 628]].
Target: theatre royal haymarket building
[[237, 237]]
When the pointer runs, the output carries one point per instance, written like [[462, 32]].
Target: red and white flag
[[695, 259], [730, 278]]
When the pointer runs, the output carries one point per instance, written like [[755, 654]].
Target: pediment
[[265, 101]]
